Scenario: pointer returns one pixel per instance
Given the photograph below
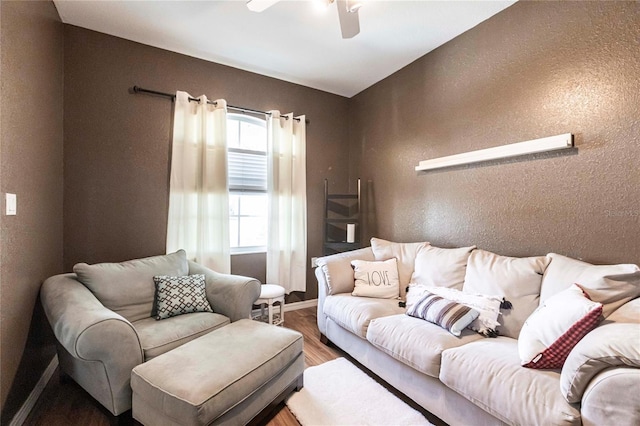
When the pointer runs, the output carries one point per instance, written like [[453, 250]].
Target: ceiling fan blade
[[260, 5], [349, 21]]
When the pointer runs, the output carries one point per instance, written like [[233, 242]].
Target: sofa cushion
[[441, 267], [415, 342], [611, 285], [375, 279], [488, 373], [127, 287], [405, 253], [552, 330], [158, 337], [355, 313], [516, 279], [180, 295]]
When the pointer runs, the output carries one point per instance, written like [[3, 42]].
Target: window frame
[[243, 191]]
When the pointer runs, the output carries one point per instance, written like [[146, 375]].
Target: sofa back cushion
[[517, 279], [611, 285], [128, 287], [441, 267], [405, 254]]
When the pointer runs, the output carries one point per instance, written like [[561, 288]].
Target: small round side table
[[270, 294]]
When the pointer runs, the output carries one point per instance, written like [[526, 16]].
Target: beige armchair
[[103, 318]]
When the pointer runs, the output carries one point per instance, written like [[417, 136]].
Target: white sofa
[[479, 380]]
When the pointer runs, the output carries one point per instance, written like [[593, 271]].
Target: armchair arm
[[84, 327], [230, 295], [91, 335]]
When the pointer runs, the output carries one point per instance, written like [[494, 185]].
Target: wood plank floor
[[63, 404]]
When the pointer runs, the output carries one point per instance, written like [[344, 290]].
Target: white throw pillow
[[515, 279], [375, 279], [556, 327], [415, 293], [405, 253], [611, 285], [440, 267], [488, 307]]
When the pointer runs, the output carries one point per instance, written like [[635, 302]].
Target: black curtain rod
[[137, 89]]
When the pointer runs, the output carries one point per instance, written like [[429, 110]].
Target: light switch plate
[[11, 203]]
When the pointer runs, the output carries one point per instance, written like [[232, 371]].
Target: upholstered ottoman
[[225, 377]]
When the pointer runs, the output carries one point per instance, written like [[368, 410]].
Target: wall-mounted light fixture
[[551, 143]]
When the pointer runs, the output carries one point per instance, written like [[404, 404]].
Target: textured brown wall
[[251, 265], [536, 69], [31, 130], [117, 145]]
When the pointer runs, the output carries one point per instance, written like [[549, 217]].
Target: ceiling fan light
[[354, 5], [260, 5], [322, 5]]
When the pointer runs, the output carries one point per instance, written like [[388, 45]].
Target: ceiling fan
[[347, 13]]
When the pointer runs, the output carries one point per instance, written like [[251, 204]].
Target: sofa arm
[[335, 275], [610, 345], [84, 327], [612, 398], [230, 295], [336, 271]]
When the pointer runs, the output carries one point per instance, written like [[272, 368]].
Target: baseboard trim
[[288, 307], [25, 410], [300, 305]]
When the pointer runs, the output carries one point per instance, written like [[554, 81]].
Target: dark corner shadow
[[38, 353], [370, 222]]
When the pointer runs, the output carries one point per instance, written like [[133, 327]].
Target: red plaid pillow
[[556, 327]]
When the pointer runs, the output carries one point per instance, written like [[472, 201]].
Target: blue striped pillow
[[451, 316]]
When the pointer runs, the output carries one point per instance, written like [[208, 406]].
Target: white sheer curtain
[[287, 195], [199, 197]]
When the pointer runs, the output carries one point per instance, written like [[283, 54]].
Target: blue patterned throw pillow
[[180, 295]]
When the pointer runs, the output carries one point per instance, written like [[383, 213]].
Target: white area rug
[[338, 393]]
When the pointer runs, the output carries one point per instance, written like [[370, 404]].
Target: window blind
[[247, 170]]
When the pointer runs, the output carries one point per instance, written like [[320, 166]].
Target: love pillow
[[377, 279]]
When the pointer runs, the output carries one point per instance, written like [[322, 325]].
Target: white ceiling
[[292, 40]]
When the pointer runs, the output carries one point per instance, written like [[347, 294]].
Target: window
[[247, 159]]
